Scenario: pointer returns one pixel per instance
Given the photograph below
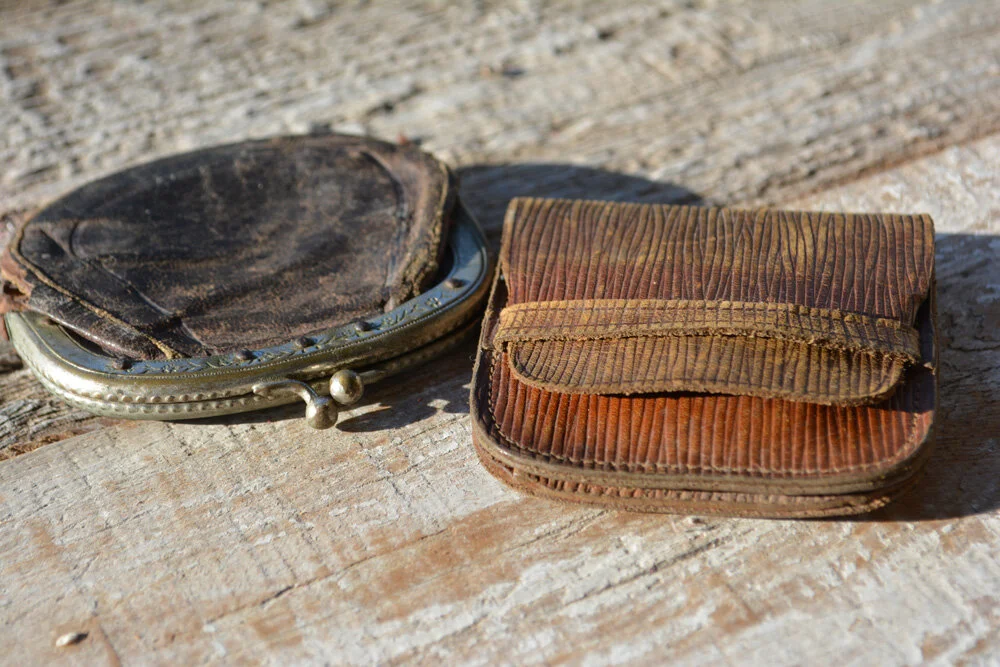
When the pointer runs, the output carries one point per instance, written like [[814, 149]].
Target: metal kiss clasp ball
[[346, 387]]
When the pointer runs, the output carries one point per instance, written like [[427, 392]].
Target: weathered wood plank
[[30, 417], [256, 539], [387, 541], [738, 101]]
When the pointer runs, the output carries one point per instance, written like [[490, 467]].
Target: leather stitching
[[677, 304]]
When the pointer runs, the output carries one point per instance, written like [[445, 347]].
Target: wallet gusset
[[669, 358]]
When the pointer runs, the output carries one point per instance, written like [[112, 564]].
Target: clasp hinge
[[346, 388]]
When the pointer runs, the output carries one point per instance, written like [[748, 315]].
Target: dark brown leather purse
[[245, 276], [668, 358]]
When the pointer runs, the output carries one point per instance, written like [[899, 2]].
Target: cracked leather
[[669, 358], [234, 247]]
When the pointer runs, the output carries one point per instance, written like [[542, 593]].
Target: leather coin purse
[[245, 276], [705, 360]]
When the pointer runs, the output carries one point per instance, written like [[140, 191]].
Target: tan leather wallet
[[706, 360]]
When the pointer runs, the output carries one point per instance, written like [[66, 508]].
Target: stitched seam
[[870, 346], [686, 318], [657, 468], [527, 332], [682, 495], [605, 305]]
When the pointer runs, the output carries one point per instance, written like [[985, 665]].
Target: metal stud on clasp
[[346, 388]]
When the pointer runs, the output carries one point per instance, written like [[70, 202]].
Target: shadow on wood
[[486, 189], [441, 385], [963, 475]]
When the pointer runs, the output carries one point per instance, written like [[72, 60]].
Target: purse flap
[[611, 298]]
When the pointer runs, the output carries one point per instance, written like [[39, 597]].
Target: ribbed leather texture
[[708, 434], [595, 319], [728, 503], [716, 364], [562, 406], [816, 307]]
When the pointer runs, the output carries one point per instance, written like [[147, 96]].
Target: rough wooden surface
[[256, 539]]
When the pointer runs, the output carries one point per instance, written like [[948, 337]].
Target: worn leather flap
[[609, 298], [239, 246]]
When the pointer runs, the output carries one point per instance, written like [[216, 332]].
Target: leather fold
[[760, 304]]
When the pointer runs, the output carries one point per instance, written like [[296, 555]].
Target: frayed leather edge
[[885, 390]]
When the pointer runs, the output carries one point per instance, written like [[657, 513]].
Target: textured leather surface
[[627, 298], [240, 246], [680, 500], [652, 356]]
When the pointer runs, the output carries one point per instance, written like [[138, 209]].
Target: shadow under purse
[[711, 361]]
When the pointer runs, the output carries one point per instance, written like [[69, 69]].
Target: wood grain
[[258, 540]]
